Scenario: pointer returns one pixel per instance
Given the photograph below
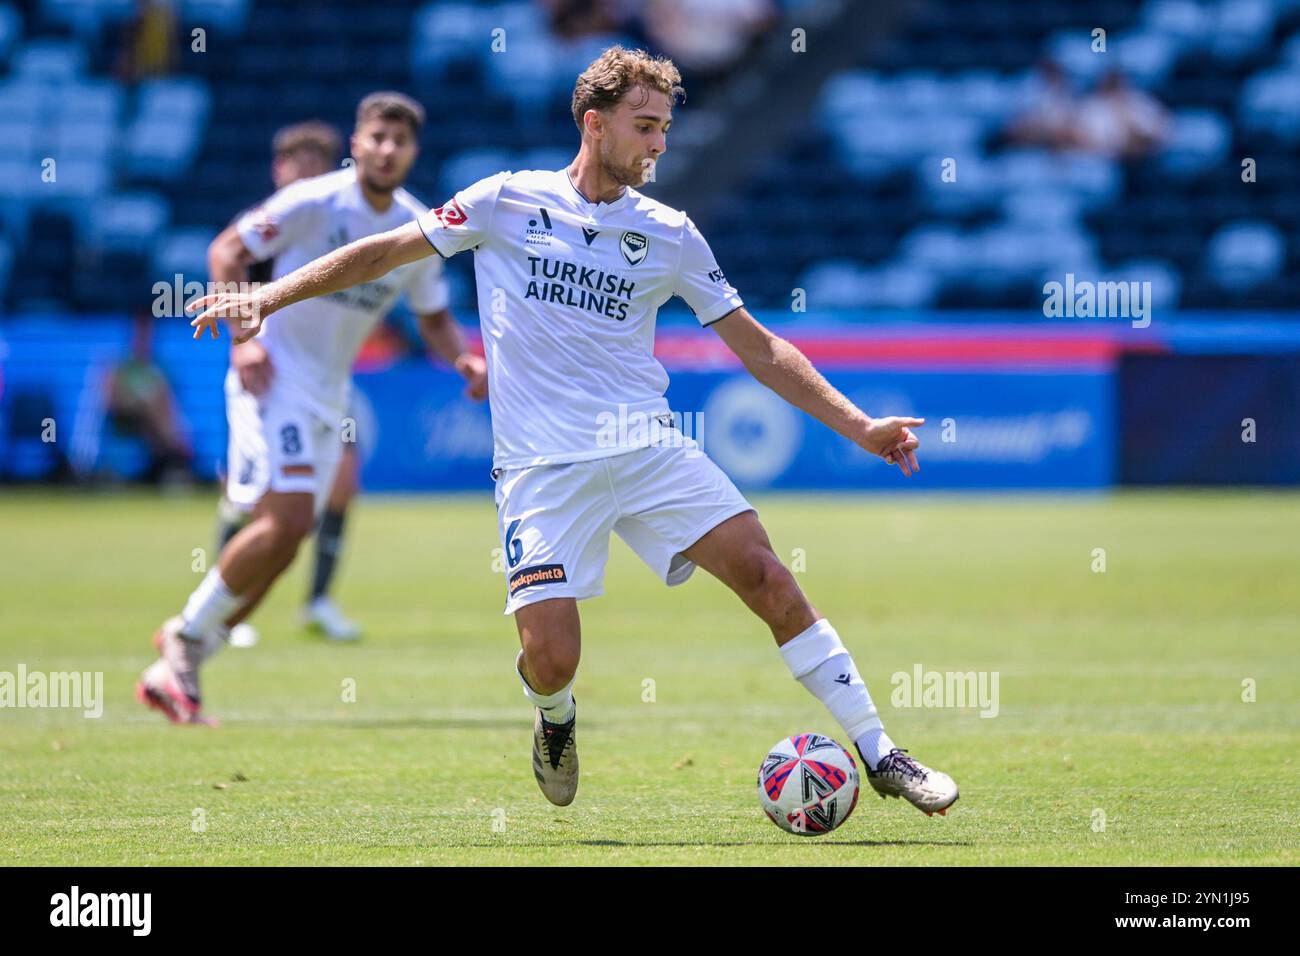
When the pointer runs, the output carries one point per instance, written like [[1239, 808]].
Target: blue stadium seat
[[1199, 139], [468, 167], [171, 118], [183, 251], [227, 15], [1245, 254], [88, 18], [127, 222], [50, 61]]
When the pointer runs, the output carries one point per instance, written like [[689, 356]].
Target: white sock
[[820, 661], [215, 640], [208, 607], [557, 708]]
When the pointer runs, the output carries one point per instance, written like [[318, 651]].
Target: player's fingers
[[907, 422], [900, 455], [911, 457], [201, 302], [209, 315]]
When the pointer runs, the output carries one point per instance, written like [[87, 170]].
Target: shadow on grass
[[711, 843], [429, 723]]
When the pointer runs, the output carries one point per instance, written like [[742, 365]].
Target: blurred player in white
[[578, 263], [285, 438], [300, 151]]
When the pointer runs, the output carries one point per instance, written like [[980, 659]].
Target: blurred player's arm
[[444, 336], [228, 257], [228, 262], [784, 369], [365, 260]]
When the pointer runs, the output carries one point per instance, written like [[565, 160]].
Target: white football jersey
[[312, 344], [568, 291]]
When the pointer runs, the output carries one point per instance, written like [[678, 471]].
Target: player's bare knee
[[550, 665]]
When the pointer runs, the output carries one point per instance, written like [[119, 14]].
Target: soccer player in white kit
[[572, 267], [286, 436]]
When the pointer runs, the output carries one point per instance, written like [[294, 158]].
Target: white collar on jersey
[[597, 206]]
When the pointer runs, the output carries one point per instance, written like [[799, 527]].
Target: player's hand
[[250, 361], [892, 439], [473, 369], [242, 311]]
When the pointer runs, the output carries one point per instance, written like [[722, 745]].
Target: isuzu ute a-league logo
[[539, 235], [633, 245]]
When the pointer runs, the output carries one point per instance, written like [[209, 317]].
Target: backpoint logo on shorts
[[537, 574]]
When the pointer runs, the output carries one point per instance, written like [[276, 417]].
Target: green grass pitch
[[1122, 736]]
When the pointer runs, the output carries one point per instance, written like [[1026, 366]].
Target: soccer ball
[[808, 784]]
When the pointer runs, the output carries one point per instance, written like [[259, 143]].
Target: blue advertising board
[[985, 429]]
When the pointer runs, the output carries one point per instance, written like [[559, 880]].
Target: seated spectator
[[140, 402], [149, 42], [1053, 113], [707, 37], [1120, 121]]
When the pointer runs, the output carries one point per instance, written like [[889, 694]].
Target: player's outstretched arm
[[785, 370], [362, 261], [443, 334]]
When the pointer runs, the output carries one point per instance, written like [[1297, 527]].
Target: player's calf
[[547, 665], [269, 543], [739, 554]]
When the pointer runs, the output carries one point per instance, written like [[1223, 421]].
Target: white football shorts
[[555, 520], [277, 443]]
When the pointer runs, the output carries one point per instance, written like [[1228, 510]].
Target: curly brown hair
[[617, 70]]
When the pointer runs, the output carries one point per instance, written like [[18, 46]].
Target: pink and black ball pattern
[[808, 784]]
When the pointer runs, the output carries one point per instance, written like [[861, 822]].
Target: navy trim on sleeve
[[721, 317]]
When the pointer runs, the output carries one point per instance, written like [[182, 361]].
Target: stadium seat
[[1242, 27], [1244, 254], [50, 61], [171, 116], [87, 18], [227, 15], [468, 167], [443, 33], [127, 222], [1199, 139], [184, 252], [19, 137]]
